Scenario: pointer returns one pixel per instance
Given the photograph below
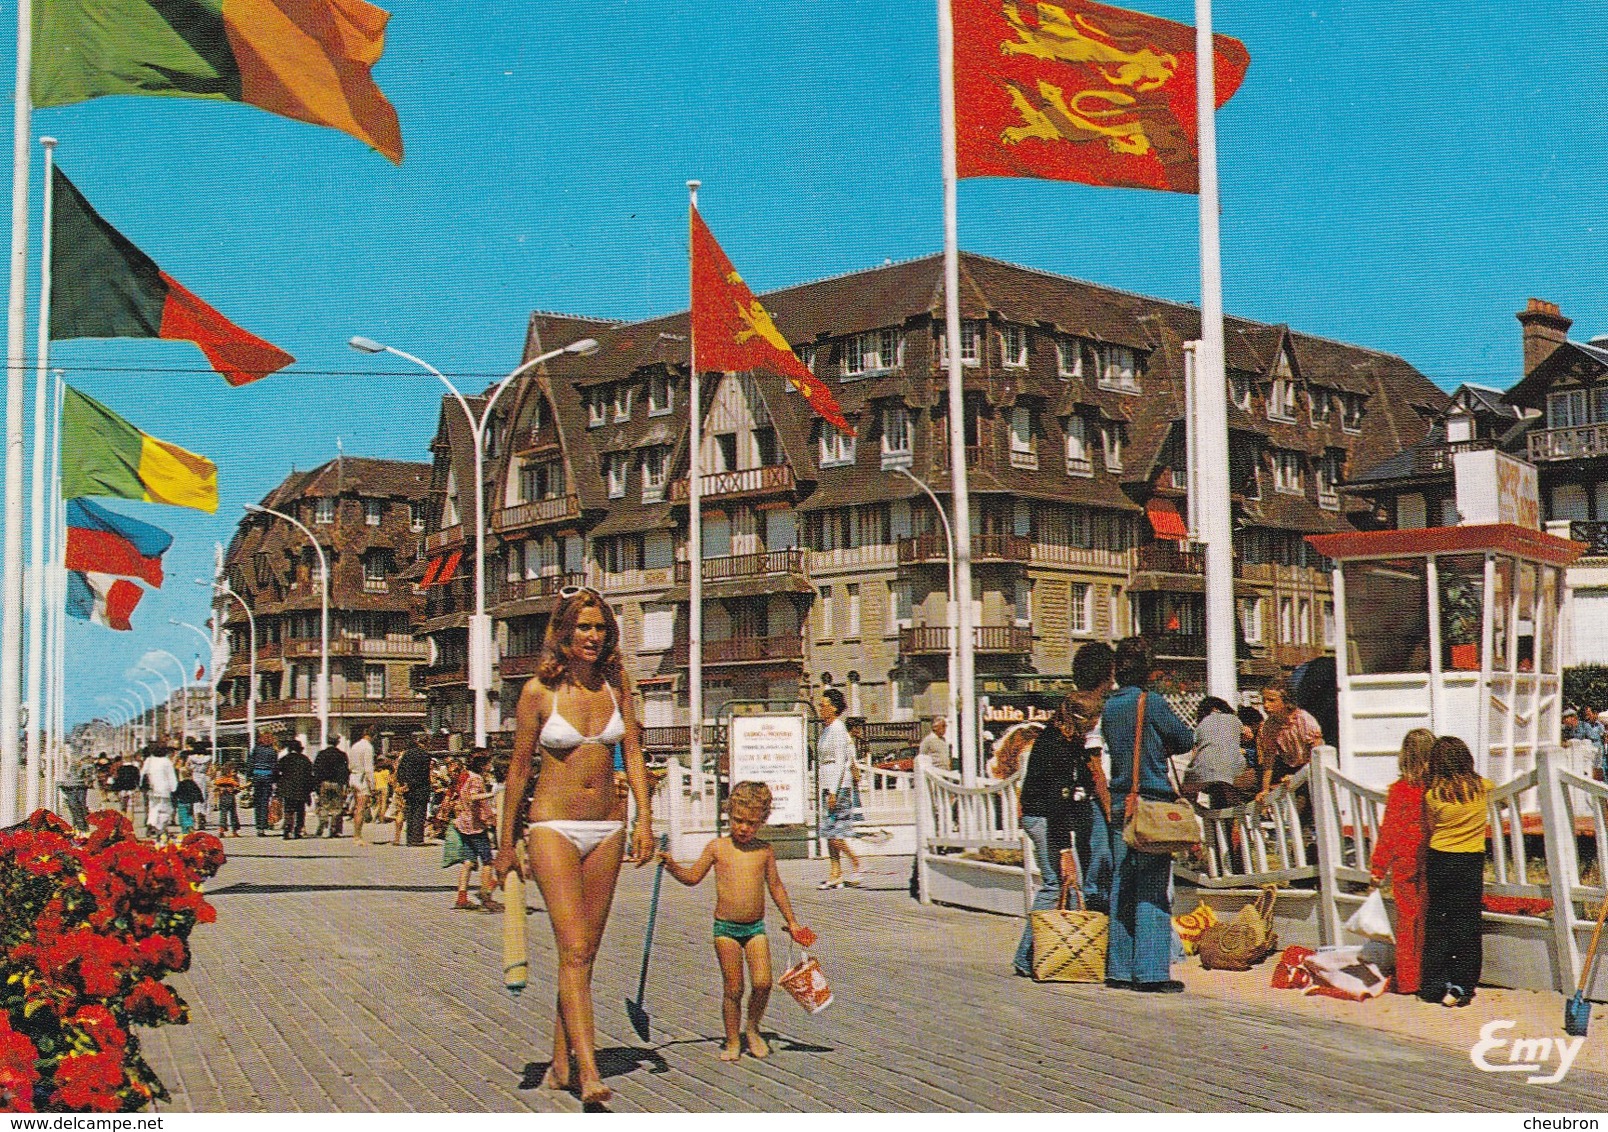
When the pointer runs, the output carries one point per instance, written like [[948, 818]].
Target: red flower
[[89, 1082], [18, 1070], [151, 1003], [99, 1023]]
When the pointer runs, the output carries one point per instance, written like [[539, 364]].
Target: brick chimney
[[1545, 329]]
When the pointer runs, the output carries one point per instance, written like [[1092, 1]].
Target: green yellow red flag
[[1081, 91], [733, 332], [305, 59], [105, 455]]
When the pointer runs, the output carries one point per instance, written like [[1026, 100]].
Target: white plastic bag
[[1371, 921]]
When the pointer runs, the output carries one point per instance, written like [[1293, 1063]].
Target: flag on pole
[[200, 670], [102, 454], [735, 333], [102, 599], [305, 59], [102, 286], [1080, 91], [104, 542]]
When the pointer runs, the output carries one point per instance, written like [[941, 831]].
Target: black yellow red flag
[[733, 332], [1080, 91]]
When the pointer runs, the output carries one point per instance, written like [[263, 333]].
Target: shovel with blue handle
[[633, 1007]]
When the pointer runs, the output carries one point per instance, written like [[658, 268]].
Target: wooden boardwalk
[[337, 979]]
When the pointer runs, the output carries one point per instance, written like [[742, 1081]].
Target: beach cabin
[[1450, 628]]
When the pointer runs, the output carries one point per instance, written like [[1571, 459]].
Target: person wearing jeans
[[260, 765]]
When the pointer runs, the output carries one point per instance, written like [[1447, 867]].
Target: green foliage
[[1586, 684]]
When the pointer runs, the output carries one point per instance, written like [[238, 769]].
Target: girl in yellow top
[[1455, 800]]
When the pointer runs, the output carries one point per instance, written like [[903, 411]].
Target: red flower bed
[[94, 922], [1518, 905]]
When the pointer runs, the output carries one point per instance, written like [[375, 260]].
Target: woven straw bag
[[1245, 940], [1069, 945]]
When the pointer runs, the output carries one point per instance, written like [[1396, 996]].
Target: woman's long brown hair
[[1451, 776], [553, 669]]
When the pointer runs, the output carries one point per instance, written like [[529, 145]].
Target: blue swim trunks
[[741, 932]]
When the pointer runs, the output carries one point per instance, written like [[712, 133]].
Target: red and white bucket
[[806, 982]]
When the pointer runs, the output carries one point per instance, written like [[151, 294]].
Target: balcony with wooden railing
[[526, 589], [518, 665], [934, 549], [343, 706], [932, 640], [734, 567], [1594, 533], [750, 481], [788, 649], [680, 738], [1166, 558], [444, 539], [558, 509], [371, 648], [1577, 443], [445, 675], [1431, 460]]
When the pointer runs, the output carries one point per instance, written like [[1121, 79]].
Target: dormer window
[[1288, 477], [837, 448], [1567, 409], [1068, 358], [1013, 347], [622, 402], [1329, 471], [324, 510], [1239, 390], [971, 339], [373, 511], [1281, 400], [1321, 405], [1351, 411], [653, 474], [616, 469], [416, 517], [1459, 429], [1078, 462], [661, 395], [1024, 448], [1111, 438], [597, 407], [1119, 369], [873, 352], [896, 437]]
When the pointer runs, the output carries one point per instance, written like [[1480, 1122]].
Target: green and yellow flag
[[102, 454], [306, 59]]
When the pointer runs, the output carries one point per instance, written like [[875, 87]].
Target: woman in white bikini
[[576, 707]]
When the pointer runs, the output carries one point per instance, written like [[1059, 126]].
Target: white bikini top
[[559, 734]]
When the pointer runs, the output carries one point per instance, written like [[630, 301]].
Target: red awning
[[431, 571], [1165, 519], [449, 568]]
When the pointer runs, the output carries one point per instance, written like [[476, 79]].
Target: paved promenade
[[336, 978]]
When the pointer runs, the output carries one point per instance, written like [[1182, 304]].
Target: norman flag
[[733, 332], [1080, 91]]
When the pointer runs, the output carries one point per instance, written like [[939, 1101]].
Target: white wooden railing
[[1254, 844]]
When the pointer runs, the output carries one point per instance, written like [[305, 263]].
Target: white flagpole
[[970, 768], [1211, 392], [694, 516], [56, 591], [16, 379], [38, 512]]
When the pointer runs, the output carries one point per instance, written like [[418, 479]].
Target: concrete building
[[824, 566], [369, 516]]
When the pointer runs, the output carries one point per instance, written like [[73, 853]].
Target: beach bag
[[1290, 973], [1342, 973], [1371, 921], [1245, 940], [1190, 925], [1069, 945], [806, 982], [1162, 828]]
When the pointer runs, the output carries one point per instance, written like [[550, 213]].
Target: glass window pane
[[1500, 616], [1525, 617], [1546, 637], [1462, 610], [1387, 616]]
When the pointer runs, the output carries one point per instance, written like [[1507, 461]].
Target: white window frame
[[1303, 621], [324, 510], [1316, 397], [826, 613], [1239, 390], [1329, 481], [622, 402], [661, 384], [896, 436], [655, 462], [1068, 348], [1013, 346], [1022, 603], [374, 567], [836, 448], [416, 517], [1348, 421], [874, 351], [373, 512], [1250, 613], [1024, 442], [1568, 408], [1289, 474], [370, 672], [1119, 368], [1111, 441], [851, 612], [1326, 617], [658, 627], [618, 473], [1080, 609], [1287, 621], [1281, 400], [971, 343], [597, 406], [1078, 460]]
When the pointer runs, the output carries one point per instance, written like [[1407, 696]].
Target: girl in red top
[[1403, 835]]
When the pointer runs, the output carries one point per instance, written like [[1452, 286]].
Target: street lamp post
[[167, 689], [323, 575], [949, 611], [184, 692], [223, 587], [212, 646], [480, 626], [145, 729]]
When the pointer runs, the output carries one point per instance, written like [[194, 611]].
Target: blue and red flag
[[103, 542]]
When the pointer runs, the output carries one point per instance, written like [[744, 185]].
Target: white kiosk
[[1450, 628]]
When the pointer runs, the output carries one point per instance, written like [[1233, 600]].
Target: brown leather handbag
[[1163, 828]]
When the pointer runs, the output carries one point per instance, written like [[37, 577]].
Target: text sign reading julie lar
[[771, 749]]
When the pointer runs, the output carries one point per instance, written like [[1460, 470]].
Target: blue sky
[[1402, 179]]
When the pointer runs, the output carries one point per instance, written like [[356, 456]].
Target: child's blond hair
[[1415, 748], [753, 799]]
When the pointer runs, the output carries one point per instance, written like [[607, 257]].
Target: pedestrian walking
[[361, 760], [745, 868], [331, 777], [1399, 856], [839, 772], [293, 781], [226, 786], [935, 747], [261, 765], [1139, 949], [472, 817], [159, 779], [1455, 798], [198, 771], [413, 782], [186, 796], [125, 781], [576, 707]]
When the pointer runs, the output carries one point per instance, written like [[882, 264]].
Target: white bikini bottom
[[584, 835]]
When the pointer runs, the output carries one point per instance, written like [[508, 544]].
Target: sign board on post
[[1008, 724], [772, 749], [1493, 487]]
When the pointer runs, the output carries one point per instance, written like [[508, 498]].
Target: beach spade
[[633, 1007]]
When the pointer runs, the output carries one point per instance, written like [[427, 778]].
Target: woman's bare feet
[[555, 1080], [595, 1092], [731, 1051], [757, 1044]]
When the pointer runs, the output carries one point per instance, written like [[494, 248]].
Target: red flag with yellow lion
[[733, 332], [1079, 91]]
